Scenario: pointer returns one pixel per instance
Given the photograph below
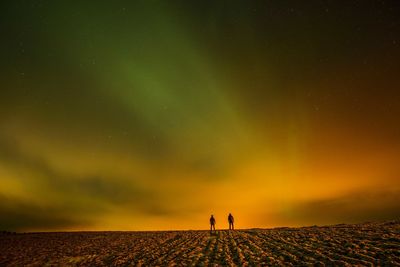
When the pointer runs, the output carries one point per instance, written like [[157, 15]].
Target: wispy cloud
[[359, 206]]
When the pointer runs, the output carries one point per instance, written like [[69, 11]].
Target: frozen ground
[[367, 244]]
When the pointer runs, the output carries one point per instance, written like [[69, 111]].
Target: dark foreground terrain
[[340, 245]]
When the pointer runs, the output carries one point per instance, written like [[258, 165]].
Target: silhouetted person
[[212, 223], [230, 220]]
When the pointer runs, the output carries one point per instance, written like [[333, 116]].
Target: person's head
[[212, 215]]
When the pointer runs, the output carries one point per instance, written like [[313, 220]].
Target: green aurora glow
[[155, 114]]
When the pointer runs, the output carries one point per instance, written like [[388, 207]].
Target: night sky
[[153, 115]]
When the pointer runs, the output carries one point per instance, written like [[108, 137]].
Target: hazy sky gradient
[[147, 115]]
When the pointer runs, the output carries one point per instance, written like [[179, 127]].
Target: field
[[365, 244]]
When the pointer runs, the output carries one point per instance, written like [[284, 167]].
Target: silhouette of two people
[[212, 222]]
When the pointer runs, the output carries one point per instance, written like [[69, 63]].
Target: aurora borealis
[[152, 115]]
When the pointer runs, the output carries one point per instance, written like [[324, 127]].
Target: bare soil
[[368, 244]]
